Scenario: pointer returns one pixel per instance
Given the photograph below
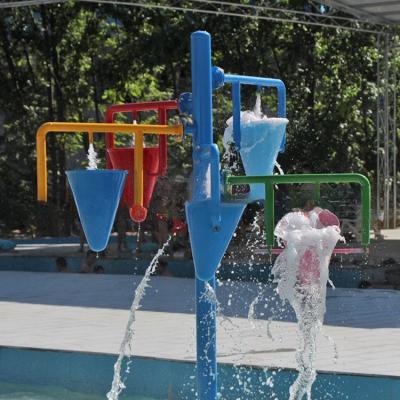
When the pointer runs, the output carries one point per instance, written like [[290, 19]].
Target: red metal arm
[[161, 107]]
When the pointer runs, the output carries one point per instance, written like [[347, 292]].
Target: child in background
[[162, 205], [61, 264], [98, 269], [88, 262]]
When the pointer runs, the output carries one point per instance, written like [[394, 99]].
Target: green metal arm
[[317, 179]]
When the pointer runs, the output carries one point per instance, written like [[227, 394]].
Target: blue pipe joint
[[185, 103], [218, 77]]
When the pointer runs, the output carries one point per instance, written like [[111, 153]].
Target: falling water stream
[[126, 346], [245, 117], [92, 158], [138, 249], [255, 239], [308, 248], [301, 271]]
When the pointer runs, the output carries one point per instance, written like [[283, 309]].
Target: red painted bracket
[[161, 107]]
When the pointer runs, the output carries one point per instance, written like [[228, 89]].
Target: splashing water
[[240, 372], [126, 346], [226, 322], [251, 316], [132, 140], [92, 157], [301, 272], [210, 295], [246, 117], [257, 107], [333, 344], [138, 248], [230, 157], [279, 168]]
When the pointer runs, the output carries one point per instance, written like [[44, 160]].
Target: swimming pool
[[33, 392], [343, 276], [29, 374]]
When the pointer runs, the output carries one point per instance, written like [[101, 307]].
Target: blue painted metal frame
[[237, 81], [203, 146], [204, 149], [211, 223]]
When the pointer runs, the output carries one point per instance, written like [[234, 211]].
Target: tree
[[69, 61]]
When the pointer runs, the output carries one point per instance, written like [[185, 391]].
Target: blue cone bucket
[[97, 194], [260, 144], [208, 245]]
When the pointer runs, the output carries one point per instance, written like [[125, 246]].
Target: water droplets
[[92, 158], [126, 346]]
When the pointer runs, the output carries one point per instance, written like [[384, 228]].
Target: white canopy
[[377, 11]]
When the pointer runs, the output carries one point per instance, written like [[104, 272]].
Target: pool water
[[32, 392]]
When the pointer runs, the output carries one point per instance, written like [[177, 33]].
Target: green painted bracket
[[316, 179]]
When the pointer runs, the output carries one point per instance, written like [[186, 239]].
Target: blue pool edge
[[154, 377]]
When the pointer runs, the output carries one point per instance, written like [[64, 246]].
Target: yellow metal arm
[[89, 128]]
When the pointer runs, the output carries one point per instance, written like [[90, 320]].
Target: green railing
[[317, 180]]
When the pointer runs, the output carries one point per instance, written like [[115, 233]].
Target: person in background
[[162, 210], [88, 262], [378, 225], [177, 223], [61, 264], [82, 238], [162, 269], [305, 191], [78, 226], [98, 269], [122, 227]]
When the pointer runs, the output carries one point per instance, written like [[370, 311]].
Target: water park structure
[[213, 212]]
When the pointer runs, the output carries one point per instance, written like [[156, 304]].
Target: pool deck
[[379, 250], [88, 313], [66, 247]]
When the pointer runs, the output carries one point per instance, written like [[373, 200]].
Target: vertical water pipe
[[203, 137]]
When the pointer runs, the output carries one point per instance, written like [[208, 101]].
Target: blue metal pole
[[203, 137], [236, 113], [202, 87]]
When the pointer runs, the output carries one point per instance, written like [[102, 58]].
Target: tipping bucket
[[97, 194], [123, 158], [260, 144]]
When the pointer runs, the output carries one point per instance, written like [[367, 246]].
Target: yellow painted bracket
[[139, 130]]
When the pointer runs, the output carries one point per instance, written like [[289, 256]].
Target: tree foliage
[[68, 62]]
